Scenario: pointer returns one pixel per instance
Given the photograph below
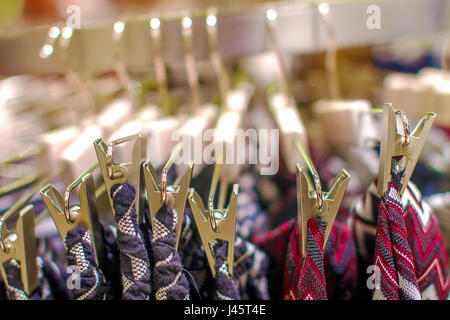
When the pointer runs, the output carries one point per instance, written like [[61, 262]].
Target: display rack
[[241, 32]]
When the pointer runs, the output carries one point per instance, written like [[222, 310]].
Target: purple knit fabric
[[51, 249], [56, 276], [111, 263], [226, 286], [194, 259], [251, 220], [80, 254], [14, 284], [250, 270], [134, 260], [169, 278]]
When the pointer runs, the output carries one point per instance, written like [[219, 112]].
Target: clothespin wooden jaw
[[312, 202], [211, 227], [84, 214], [124, 172], [160, 194], [21, 246], [394, 144]]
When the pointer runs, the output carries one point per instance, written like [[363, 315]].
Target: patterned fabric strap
[[251, 219], [111, 264], [311, 285], [275, 243], [250, 270], [56, 275], [341, 270], [393, 258], [169, 278], [250, 266], [86, 281], [134, 260], [424, 237], [226, 286], [14, 284], [427, 248]]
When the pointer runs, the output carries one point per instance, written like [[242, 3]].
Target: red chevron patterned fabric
[[428, 249], [275, 243], [311, 283], [373, 221], [341, 270], [392, 253], [339, 260]]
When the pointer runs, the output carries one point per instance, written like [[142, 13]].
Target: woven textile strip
[[424, 238], [251, 219], [226, 286], [194, 259], [250, 270], [341, 274], [250, 265], [169, 280], [111, 263], [134, 261], [427, 247], [56, 275], [341, 270], [392, 253], [275, 243], [308, 281], [14, 286], [80, 258]]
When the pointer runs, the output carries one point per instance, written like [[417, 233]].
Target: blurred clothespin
[[282, 104], [192, 74], [120, 110], [216, 58], [341, 121], [21, 246], [426, 91], [22, 174], [313, 202], [158, 62], [202, 117]]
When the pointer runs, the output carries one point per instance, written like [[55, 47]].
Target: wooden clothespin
[[312, 202], [395, 144], [160, 194], [114, 173], [214, 224], [67, 217], [21, 246]]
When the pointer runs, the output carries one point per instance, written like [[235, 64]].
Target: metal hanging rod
[[241, 32]]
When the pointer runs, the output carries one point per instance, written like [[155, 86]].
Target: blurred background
[[402, 56]]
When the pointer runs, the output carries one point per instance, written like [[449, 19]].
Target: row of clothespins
[[212, 223], [148, 131]]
